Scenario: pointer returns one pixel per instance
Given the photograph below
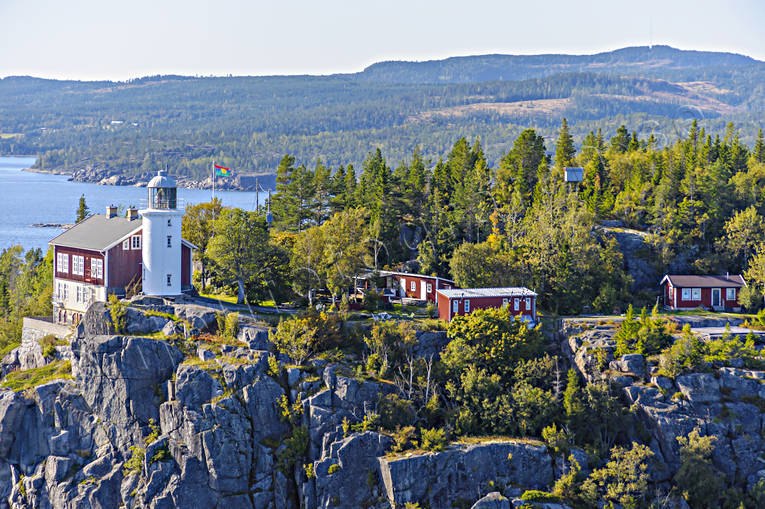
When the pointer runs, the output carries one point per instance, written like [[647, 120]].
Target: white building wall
[[159, 260], [75, 296]]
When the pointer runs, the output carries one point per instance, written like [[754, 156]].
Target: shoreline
[[241, 183]]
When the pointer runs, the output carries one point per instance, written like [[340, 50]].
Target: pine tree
[[82, 209], [564, 149], [620, 142]]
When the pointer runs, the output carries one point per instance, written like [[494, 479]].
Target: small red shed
[[711, 292], [521, 301]]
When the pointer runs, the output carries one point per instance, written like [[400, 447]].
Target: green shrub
[[539, 496], [395, 412], [154, 432], [333, 469], [623, 480], [646, 335], [404, 438], [296, 338], [700, 482], [118, 313], [48, 345], [162, 454], [295, 448], [135, 463], [433, 439]]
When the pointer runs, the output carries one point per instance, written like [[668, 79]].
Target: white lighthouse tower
[[161, 249]]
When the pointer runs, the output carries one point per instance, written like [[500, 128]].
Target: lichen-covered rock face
[[437, 479], [355, 480], [122, 380]]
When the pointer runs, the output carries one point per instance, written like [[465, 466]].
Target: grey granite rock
[[493, 500], [439, 478]]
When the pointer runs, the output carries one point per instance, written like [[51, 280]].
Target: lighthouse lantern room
[[161, 250]]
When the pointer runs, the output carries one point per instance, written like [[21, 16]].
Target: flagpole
[[213, 190]]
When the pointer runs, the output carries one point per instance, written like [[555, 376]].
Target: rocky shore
[[106, 177]]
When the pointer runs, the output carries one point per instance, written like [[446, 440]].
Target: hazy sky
[[98, 39]]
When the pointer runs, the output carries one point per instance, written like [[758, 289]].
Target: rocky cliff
[[146, 418]]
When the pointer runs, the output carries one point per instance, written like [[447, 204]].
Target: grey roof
[[384, 273], [687, 281], [97, 232], [574, 174], [513, 291], [162, 180]]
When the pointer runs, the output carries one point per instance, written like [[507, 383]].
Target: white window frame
[[456, 306], [96, 268], [169, 280], [66, 291], [413, 286], [466, 306], [430, 287], [126, 245], [686, 294], [135, 242], [528, 303], [516, 304], [696, 294], [730, 294], [504, 302], [78, 265]]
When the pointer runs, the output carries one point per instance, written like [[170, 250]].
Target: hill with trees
[[249, 123]]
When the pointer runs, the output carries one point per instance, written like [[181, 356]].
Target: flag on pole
[[222, 171]]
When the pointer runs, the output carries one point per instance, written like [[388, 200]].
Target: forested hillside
[[249, 123]]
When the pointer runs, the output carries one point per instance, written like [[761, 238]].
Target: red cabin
[[405, 284], [712, 292], [522, 302]]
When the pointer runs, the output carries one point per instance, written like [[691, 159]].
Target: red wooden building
[[712, 292], [99, 256], [521, 301], [413, 286]]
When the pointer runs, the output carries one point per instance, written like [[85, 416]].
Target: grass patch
[[473, 440], [48, 344], [225, 298], [31, 378]]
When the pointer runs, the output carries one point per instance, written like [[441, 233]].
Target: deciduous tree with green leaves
[[239, 246]]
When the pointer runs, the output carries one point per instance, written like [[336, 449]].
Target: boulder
[[493, 500], [199, 317], [699, 388], [171, 328], [255, 337], [632, 363], [663, 382], [97, 321]]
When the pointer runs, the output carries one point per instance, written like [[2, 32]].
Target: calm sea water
[[27, 198]]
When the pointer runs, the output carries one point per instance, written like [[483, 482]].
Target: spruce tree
[[759, 148], [82, 209], [564, 149]]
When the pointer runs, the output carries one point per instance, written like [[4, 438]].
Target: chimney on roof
[[111, 211], [132, 213]]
